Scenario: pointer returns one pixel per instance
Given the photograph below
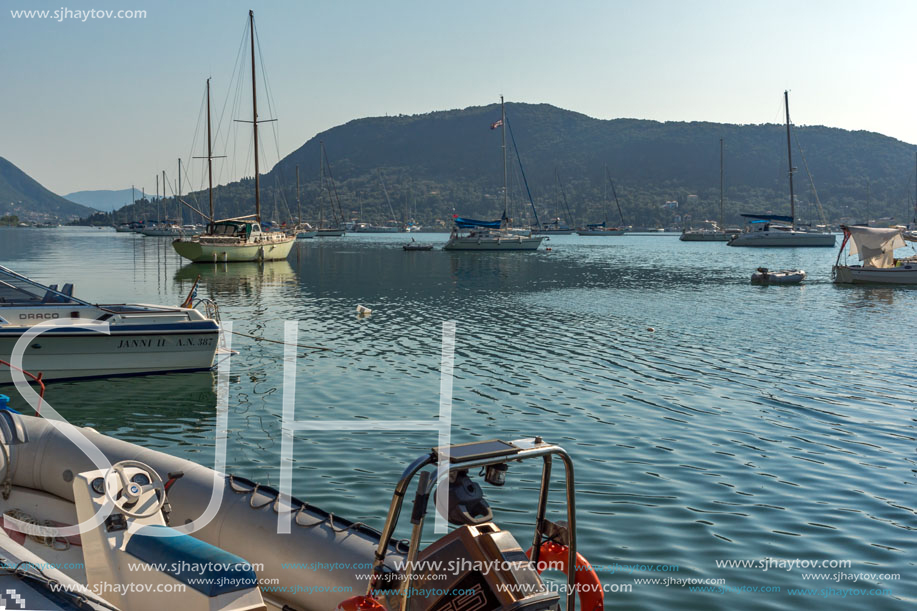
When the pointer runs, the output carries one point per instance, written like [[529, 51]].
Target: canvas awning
[[875, 245]]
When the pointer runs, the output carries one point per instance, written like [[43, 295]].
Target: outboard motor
[[478, 567], [481, 568]]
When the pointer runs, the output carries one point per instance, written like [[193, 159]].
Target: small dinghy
[[784, 276], [415, 246], [134, 528]]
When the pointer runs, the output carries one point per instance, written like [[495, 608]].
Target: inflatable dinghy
[[159, 532], [785, 276]]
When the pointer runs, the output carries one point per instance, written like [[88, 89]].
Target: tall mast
[[722, 204], [789, 157], [605, 194], [163, 206], [179, 192], [251, 22], [298, 203], [321, 185], [133, 196], [157, 186], [503, 124], [209, 159]]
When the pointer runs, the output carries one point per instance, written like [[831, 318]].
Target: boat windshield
[[16, 290]]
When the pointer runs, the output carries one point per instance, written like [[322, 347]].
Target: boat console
[[134, 546]]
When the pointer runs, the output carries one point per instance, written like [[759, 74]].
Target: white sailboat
[[472, 234], [774, 230], [602, 229], [323, 230], [240, 238], [875, 247], [712, 231]]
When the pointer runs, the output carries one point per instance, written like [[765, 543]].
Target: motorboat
[[764, 230], [775, 231], [785, 276], [93, 522], [709, 232], [472, 234], [875, 248], [64, 337]]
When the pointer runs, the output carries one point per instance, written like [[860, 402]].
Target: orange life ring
[[360, 603], [588, 586]]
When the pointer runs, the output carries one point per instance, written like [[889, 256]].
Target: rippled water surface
[[750, 423]]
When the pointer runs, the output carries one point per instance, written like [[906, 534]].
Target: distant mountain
[[447, 162], [22, 196], [104, 200]]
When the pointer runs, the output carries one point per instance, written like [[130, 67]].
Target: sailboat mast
[[789, 157], [503, 125], [722, 204], [321, 185], [251, 22], [209, 159], [605, 194], [179, 193], [298, 202]]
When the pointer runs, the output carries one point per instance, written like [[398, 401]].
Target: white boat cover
[[875, 245]]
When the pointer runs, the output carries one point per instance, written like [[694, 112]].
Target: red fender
[[360, 603], [588, 586]]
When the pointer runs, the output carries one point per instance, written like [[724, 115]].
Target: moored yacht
[[240, 238], [80, 339], [775, 230]]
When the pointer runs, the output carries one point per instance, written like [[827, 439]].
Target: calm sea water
[[752, 423]]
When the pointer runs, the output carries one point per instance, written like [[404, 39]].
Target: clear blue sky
[[107, 103]]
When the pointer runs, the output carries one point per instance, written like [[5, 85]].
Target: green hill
[[447, 162], [22, 196]]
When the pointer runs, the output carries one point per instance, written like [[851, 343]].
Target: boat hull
[[706, 236], [783, 239], [609, 232], [517, 242], [63, 354], [202, 252], [906, 274], [245, 524], [329, 233]]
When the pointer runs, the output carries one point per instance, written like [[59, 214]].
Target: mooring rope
[[277, 341]]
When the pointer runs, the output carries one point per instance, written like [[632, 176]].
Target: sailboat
[[324, 231], [166, 227], [472, 234], [712, 231], [776, 230], [602, 228], [303, 229], [239, 238], [556, 227]]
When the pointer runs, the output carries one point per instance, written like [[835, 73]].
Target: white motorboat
[[709, 232], [81, 340], [470, 234], [768, 230], [876, 247], [163, 230], [774, 231], [133, 528], [785, 276], [240, 238]]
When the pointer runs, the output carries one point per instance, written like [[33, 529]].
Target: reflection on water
[[751, 423]]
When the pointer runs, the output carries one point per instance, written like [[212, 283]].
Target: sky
[[107, 103]]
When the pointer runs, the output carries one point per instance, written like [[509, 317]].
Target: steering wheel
[[121, 491]]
